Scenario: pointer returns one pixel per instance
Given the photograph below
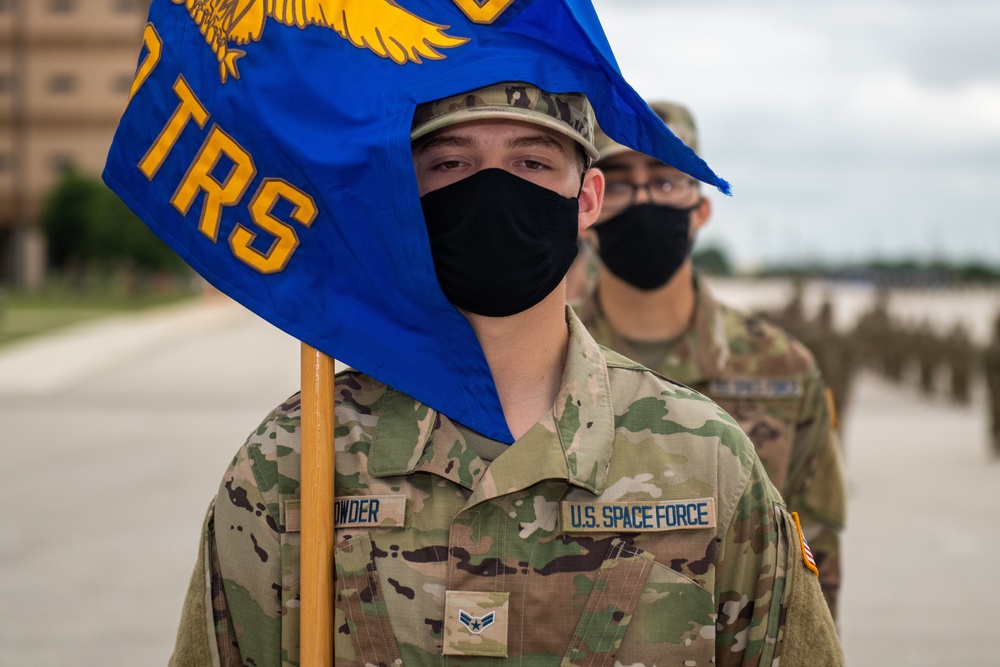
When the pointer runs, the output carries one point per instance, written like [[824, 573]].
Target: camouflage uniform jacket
[[633, 524], [771, 385]]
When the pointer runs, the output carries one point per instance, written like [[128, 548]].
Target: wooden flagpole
[[316, 565]]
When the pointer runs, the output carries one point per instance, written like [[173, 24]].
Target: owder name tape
[[353, 511]]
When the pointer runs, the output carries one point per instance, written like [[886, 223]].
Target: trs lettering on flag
[[228, 188]]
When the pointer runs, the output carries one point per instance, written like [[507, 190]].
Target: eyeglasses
[[619, 195]]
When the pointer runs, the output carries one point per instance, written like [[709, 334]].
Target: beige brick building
[[66, 67]]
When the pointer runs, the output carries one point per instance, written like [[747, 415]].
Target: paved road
[[922, 543], [108, 465]]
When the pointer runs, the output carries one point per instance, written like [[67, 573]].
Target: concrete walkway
[[110, 455], [922, 544], [116, 436]]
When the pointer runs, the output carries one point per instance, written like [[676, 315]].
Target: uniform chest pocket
[[673, 623], [361, 611], [643, 612]]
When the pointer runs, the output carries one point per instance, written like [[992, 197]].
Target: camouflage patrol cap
[[569, 114], [678, 119]]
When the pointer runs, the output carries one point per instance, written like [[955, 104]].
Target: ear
[[591, 197], [701, 215]]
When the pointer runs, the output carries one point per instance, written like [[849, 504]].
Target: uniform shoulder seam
[[617, 360], [796, 358]]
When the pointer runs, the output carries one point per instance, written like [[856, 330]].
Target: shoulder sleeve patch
[[832, 407], [807, 556]]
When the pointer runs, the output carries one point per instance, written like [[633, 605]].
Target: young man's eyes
[[533, 165], [527, 164]]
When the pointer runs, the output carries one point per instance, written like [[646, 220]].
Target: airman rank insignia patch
[[381, 511], [637, 516], [755, 388], [807, 554], [475, 623]]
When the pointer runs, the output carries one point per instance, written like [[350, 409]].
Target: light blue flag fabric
[[267, 142]]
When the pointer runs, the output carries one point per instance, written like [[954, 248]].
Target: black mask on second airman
[[645, 244], [500, 243]]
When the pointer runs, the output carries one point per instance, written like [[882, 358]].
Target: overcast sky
[[854, 129]]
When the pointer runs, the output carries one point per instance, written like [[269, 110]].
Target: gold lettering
[[189, 109], [485, 13], [199, 178], [154, 50], [285, 239]]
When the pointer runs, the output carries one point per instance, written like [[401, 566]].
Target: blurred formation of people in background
[[905, 352], [835, 353]]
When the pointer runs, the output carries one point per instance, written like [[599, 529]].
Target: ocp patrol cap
[[677, 118], [569, 114]]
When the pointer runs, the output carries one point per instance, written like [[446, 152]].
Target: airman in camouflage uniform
[[960, 355], [873, 330], [760, 375], [835, 355], [991, 370], [630, 523], [929, 353]]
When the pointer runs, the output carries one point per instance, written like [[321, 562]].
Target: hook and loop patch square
[[475, 623]]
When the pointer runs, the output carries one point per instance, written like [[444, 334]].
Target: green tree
[[62, 219], [86, 223], [712, 260]]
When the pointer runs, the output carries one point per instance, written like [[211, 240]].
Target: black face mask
[[645, 244], [500, 243]]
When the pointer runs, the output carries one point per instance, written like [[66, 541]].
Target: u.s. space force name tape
[[755, 388], [637, 516]]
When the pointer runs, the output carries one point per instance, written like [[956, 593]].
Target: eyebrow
[[443, 140], [459, 141], [652, 163], [542, 140]]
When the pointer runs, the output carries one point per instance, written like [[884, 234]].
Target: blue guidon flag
[[267, 142]]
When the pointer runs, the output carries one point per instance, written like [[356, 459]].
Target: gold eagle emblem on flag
[[381, 26]]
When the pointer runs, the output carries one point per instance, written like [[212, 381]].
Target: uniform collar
[[700, 353], [573, 442], [705, 343]]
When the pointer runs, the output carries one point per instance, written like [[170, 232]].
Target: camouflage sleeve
[[226, 643], [761, 585], [205, 634], [749, 577], [248, 560], [816, 486]]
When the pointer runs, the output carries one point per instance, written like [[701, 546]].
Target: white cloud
[[895, 103], [849, 129]]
